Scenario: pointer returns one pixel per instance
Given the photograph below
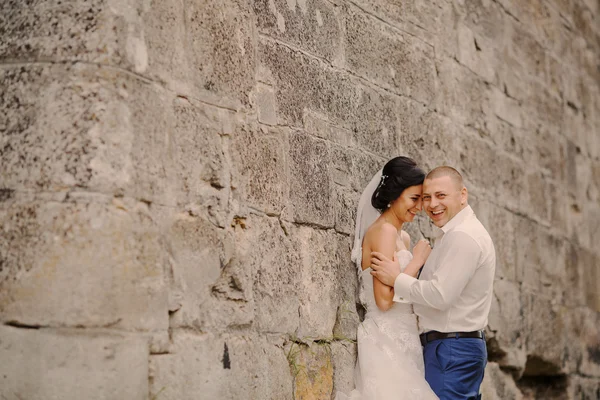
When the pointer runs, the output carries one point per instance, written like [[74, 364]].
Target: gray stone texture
[[179, 180]]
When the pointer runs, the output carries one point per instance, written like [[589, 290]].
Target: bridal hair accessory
[[381, 183]]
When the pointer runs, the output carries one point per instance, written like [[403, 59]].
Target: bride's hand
[[421, 251]]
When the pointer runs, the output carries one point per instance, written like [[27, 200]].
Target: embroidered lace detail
[[390, 359]]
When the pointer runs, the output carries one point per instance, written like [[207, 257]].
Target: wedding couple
[[451, 298]]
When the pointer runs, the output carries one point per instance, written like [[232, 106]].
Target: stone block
[[314, 26], [196, 156], [202, 48], [306, 87], [220, 367], [345, 203], [541, 107], [197, 258], [477, 53], [312, 368], [374, 120], [543, 262], [347, 317], [430, 138], [526, 49], [501, 225], [581, 348], [277, 269], [506, 322], [85, 30], [264, 98], [304, 84], [93, 262], [460, 94], [584, 388], [486, 19], [310, 180], [260, 163], [389, 57], [68, 364], [319, 126], [343, 357], [505, 108], [498, 385], [361, 168], [545, 330], [419, 18], [107, 131], [475, 155], [319, 299]]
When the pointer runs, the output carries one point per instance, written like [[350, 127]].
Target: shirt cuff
[[402, 286]]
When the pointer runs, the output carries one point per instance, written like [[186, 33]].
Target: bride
[[390, 360]]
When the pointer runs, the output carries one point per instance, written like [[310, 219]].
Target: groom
[[452, 298]]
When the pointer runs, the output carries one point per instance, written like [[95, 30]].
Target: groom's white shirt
[[455, 289]]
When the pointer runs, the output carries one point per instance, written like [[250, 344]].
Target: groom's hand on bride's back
[[384, 269]]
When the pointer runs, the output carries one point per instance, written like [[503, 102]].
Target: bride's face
[[408, 204]]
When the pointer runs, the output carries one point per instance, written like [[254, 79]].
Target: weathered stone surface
[[202, 48], [310, 186], [220, 367], [45, 283], [312, 368], [71, 364], [274, 253], [343, 356], [460, 93], [421, 19], [189, 170], [498, 385], [545, 330], [345, 203], [91, 30], [314, 26], [506, 345], [389, 57], [260, 160], [429, 138], [476, 53], [318, 302], [501, 225], [305, 84]]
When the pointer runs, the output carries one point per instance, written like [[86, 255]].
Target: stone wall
[[178, 181]]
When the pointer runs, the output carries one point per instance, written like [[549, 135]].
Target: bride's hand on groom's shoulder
[[421, 251]]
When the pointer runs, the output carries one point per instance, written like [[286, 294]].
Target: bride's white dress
[[390, 359]]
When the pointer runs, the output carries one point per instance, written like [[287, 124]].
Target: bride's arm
[[383, 240]]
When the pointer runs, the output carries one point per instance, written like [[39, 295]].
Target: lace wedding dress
[[390, 359]]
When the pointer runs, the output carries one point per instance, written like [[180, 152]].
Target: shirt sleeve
[[456, 267]]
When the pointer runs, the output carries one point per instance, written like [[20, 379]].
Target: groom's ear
[[464, 196]]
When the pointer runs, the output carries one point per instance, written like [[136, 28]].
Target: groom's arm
[[456, 268]]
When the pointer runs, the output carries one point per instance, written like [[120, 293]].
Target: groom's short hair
[[445, 170]]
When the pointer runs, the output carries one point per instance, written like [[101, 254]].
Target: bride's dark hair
[[398, 174]]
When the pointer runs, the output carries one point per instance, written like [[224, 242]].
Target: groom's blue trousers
[[454, 367]]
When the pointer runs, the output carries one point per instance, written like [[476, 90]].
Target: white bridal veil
[[366, 214]]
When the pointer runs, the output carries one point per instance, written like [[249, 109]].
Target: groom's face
[[443, 198]]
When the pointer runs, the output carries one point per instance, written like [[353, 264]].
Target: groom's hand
[[384, 269]]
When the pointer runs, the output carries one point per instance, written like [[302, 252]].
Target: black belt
[[435, 335]]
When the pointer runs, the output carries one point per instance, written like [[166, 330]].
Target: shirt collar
[[458, 218]]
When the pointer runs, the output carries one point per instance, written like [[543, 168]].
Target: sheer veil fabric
[[390, 360]]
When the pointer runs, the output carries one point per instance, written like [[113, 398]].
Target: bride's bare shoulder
[[379, 230]]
